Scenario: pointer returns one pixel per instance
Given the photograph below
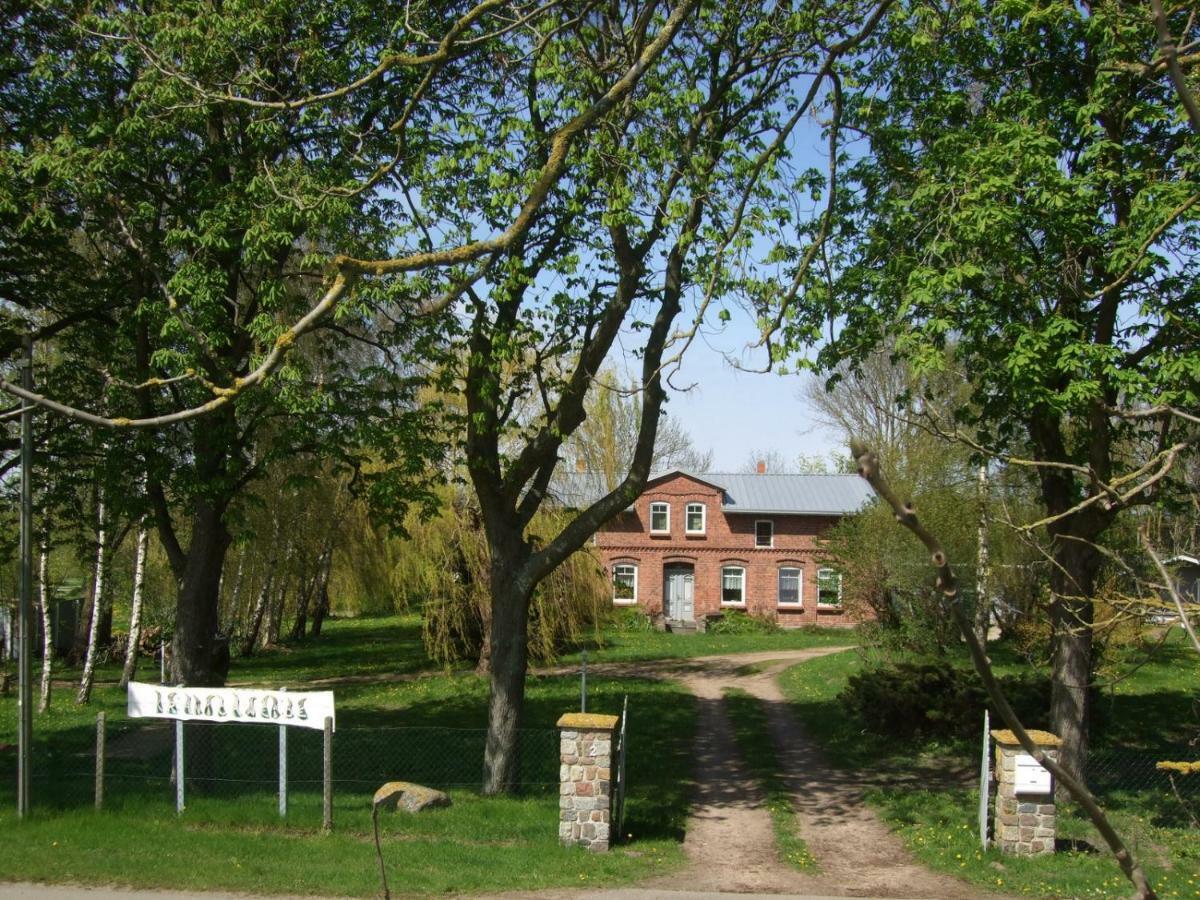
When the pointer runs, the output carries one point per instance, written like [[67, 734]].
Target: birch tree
[[135, 605]]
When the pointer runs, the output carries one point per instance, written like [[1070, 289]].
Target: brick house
[[695, 545]]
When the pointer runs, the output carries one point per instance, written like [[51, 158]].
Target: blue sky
[[735, 413]]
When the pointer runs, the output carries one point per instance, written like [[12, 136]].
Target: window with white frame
[[660, 518], [829, 587], [764, 533], [733, 585], [694, 520], [791, 586], [624, 583]]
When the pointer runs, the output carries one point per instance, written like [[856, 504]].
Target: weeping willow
[[448, 578]]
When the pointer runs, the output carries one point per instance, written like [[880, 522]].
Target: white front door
[[679, 587]]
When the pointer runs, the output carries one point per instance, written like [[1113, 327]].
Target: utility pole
[[25, 646]]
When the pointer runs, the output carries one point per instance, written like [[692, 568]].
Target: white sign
[[303, 710], [1031, 778]]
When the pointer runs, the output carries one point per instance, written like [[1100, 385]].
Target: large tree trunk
[[47, 629], [200, 655], [1072, 585], [99, 587], [135, 606], [509, 660]]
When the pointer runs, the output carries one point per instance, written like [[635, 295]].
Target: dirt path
[[729, 840]]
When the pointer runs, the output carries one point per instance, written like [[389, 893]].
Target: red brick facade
[[728, 540]]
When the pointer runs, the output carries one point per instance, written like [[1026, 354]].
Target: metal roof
[[815, 495], [830, 495]]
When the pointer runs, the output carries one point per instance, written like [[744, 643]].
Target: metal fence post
[[583, 684], [985, 787], [283, 770], [100, 761], [327, 777], [179, 766], [25, 610], [619, 818]]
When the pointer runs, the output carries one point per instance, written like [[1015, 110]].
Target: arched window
[[625, 583]]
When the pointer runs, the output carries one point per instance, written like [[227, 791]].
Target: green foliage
[[1027, 195], [935, 699], [629, 619], [738, 622]]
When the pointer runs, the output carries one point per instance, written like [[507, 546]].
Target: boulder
[[396, 795]]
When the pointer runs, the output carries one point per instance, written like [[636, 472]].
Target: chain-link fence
[[1132, 779], [237, 766]]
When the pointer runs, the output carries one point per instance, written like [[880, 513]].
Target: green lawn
[[617, 645], [230, 836], [1149, 710]]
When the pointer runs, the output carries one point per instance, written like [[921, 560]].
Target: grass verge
[[753, 735]]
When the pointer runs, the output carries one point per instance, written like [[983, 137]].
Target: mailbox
[[1031, 778]]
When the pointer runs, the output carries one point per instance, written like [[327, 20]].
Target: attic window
[[764, 533], [660, 518], [695, 518]]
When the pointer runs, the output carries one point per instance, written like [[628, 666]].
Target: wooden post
[[100, 761], [327, 777]]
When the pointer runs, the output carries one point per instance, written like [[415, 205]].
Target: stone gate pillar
[[585, 779], [1024, 813]]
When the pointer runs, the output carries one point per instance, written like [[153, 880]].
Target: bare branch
[[1169, 52], [1169, 584]]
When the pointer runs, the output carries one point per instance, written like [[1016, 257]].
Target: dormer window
[[660, 518], [764, 533], [695, 518]]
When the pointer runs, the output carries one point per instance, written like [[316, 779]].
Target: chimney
[[762, 467]]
